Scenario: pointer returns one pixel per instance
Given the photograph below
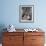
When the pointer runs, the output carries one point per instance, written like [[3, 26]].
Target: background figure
[[26, 15]]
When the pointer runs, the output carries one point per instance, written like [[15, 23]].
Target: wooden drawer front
[[8, 45], [5, 40], [34, 33], [27, 41], [13, 44], [33, 40], [13, 33], [37, 45], [12, 39], [37, 39]]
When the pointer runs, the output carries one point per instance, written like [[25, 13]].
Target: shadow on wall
[[2, 26]]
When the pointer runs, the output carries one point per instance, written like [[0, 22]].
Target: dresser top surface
[[22, 30]]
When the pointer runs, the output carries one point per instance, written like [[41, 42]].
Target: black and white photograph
[[26, 13]]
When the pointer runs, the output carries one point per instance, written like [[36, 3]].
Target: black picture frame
[[26, 13]]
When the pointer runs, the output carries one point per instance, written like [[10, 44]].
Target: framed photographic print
[[26, 13]]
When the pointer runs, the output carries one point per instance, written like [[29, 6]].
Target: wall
[[10, 13]]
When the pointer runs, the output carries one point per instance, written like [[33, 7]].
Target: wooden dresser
[[23, 39]]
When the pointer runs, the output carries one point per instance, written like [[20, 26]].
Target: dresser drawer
[[13, 44], [37, 39], [12, 39], [13, 33], [8, 45], [37, 44], [34, 33]]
